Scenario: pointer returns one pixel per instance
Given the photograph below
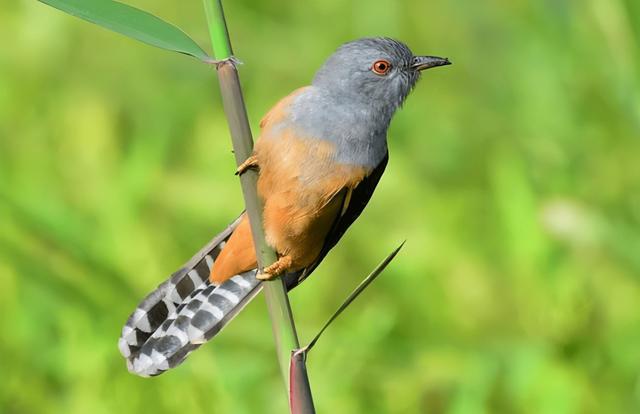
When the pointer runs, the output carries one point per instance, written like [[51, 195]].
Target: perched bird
[[320, 155]]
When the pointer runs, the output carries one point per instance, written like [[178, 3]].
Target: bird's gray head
[[376, 71]]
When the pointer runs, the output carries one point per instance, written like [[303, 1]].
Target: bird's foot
[[251, 162], [276, 269]]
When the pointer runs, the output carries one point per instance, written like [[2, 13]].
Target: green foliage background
[[514, 177]]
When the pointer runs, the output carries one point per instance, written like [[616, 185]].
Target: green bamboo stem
[[275, 291]]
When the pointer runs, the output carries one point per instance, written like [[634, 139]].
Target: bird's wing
[[353, 204]]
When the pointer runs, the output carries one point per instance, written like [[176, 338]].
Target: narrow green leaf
[[356, 292], [132, 22]]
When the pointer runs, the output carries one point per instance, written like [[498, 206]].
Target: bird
[[321, 152]]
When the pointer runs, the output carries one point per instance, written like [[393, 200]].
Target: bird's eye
[[381, 67]]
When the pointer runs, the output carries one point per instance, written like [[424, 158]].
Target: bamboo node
[[231, 60]]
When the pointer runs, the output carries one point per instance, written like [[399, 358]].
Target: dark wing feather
[[360, 196]]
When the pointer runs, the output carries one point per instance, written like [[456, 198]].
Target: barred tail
[[184, 312]]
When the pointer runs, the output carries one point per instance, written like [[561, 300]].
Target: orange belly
[[303, 190]]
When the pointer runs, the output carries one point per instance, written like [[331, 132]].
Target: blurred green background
[[514, 177]]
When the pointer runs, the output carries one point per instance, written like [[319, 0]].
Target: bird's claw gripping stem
[[251, 162], [276, 269]]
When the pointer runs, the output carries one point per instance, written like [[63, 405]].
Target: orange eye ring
[[381, 67]]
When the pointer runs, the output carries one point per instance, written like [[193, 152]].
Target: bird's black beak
[[426, 62]]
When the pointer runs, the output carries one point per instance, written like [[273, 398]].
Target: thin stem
[[218, 29], [275, 291]]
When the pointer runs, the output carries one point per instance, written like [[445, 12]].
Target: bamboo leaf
[[300, 400], [132, 22], [356, 292]]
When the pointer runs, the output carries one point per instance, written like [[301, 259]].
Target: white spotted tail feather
[[184, 312]]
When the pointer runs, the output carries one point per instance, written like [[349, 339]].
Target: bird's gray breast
[[357, 131]]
